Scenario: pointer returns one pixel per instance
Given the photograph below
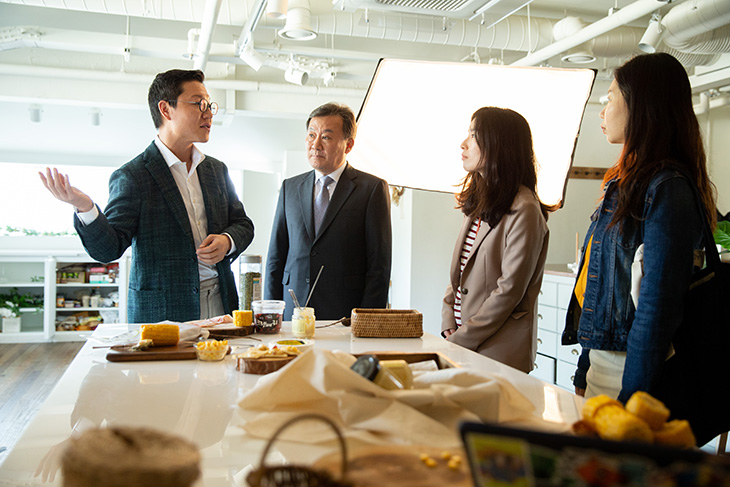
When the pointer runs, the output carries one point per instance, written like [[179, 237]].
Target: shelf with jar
[[87, 294]]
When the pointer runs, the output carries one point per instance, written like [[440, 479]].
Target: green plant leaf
[[722, 234]]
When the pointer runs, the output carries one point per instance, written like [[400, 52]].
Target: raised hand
[[61, 189]]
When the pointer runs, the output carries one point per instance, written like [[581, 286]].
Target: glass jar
[[250, 281], [370, 367], [302, 322], [267, 316]]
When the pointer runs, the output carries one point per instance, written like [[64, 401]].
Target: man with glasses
[[175, 206]]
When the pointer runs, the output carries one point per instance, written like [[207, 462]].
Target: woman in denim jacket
[[650, 198]]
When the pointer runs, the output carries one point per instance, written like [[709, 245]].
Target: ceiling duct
[[698, 27], [454, 9]]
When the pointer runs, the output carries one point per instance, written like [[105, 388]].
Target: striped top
[[465, 252]]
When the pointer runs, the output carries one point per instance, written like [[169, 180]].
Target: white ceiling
[[69, 57]]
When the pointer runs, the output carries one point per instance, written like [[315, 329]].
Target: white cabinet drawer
[[548, 293], [547, 343], [564, 375], [544, 368], [564, 293], [547, 318], [569, 353]]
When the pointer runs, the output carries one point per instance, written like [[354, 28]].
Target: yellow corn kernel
[[676, 433], [651, 410], [453, 464], [160, 334], [615, 423], [423, 457], [594, 404], [445, 455], [430, 462]]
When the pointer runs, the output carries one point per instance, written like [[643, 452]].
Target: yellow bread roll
[[646, 407], [592, 405], [613, 422], [161, 334], [675, 433]]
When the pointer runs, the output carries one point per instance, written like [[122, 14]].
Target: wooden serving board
[[230, 331], [122, 353]]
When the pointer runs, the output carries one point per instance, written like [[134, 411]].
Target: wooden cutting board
[[122, 353], [223, 332], [399, 466]]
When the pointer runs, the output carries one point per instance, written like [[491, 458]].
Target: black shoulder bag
[[695, 381]]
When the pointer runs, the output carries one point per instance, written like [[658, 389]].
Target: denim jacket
[[671, 229]]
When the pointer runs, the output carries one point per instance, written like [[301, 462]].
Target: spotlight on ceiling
[[298, 25], [296, 76], [95, 117], [35, 113], [579, 55], [650, 40], [276, 9], [251, 57]]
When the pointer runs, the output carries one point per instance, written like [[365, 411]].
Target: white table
[[198, 400]]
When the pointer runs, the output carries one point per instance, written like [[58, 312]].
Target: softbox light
[[416, 114]]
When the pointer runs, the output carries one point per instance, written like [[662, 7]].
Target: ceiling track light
[[276, 9], [298, 25], [35, 113], [651, 38]]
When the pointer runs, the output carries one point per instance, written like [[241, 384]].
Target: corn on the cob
[[613, 422], [592, 405], [242, 317], [649, 409], [160, 334], [676, 433]]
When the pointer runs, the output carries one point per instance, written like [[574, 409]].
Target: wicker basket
[[386, 323], [298, 475]]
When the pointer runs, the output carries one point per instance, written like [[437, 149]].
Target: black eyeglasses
[[203, 105]]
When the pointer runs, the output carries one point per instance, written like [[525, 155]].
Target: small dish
[[302, 344], [211, 350]]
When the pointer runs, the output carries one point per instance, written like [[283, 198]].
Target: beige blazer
[[500, 285]]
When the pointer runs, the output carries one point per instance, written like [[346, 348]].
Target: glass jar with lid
[[250, 275]]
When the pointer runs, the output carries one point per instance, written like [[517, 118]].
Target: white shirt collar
[[335, 175], [171, 159]]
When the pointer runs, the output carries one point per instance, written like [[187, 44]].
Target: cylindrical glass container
[[369, 367], [250, 280], [302, 322]]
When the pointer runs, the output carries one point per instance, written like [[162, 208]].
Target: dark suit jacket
[[146, 211], [354, 245]]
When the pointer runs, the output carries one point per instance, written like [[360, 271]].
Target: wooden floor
[[28, 373]]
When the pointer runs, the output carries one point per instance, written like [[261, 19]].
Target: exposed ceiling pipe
[[622, 17], [207, 25], [686, 21], [146, 79], [246, 36]]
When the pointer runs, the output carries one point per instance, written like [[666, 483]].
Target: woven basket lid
[[124, 456]]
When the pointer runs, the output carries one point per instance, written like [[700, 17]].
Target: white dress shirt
[[335, 175]]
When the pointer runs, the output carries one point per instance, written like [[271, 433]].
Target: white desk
[[198, 400]]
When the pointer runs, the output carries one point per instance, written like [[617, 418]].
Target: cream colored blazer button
[[464, 291]]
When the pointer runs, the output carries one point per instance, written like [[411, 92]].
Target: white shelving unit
[[555, 363], [24, 270]]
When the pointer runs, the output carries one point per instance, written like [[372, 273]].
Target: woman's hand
[[448, 333], [580, 391]]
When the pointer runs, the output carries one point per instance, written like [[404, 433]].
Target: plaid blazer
[[146, 211]]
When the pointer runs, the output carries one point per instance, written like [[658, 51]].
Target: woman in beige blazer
[[496, 270]]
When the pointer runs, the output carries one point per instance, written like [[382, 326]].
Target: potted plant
[[10, 305], [722, 239]]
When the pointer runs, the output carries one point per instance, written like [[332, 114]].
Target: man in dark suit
[[334, 216], [175, 206]]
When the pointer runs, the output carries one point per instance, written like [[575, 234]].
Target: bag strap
[[712, 257]]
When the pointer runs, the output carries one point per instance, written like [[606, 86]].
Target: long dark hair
[[507, 162], [662, 131]]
